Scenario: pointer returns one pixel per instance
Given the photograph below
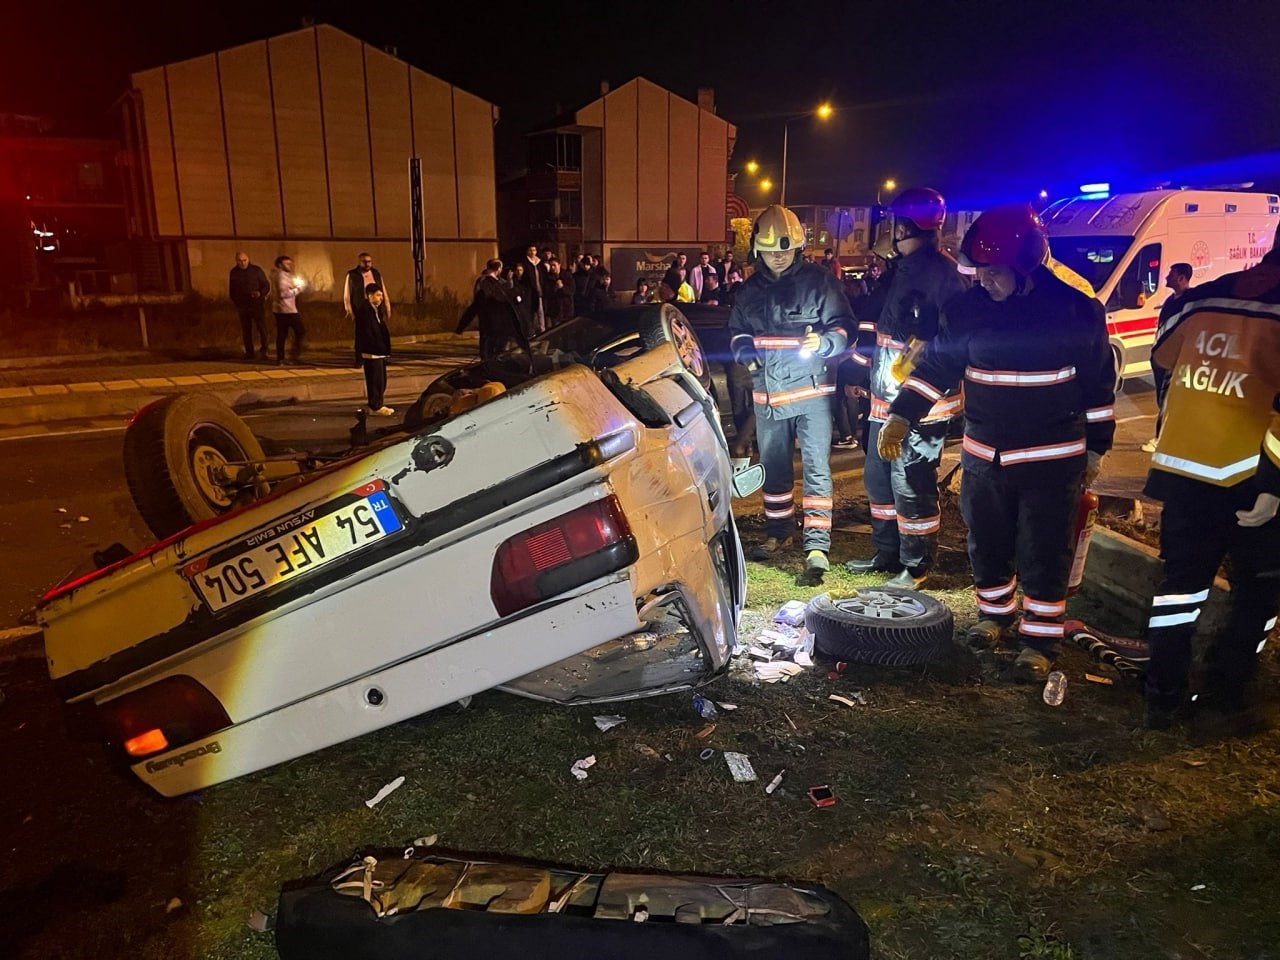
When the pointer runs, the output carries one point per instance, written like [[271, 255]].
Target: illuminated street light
[[890, 185], [752, 166], [766, 185], [823, 112], [1044, 194]]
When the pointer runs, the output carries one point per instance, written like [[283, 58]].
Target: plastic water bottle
[[1055, 688]]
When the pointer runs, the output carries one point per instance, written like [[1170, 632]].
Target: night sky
[[985, 101]]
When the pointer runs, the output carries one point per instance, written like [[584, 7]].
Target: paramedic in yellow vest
[[1216, 467]]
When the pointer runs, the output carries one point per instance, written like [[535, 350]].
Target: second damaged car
[[564, 533]]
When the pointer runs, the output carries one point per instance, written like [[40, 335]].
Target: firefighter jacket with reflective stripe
[[923, 282], [1222, 348], [767, 325], [1038, 373]]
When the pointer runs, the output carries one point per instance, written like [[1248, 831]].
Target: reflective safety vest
[[1222, 351]]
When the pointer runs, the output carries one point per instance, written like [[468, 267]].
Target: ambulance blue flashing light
[[1095, 191]]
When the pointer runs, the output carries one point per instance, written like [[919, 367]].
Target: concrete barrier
[[1123, 574]]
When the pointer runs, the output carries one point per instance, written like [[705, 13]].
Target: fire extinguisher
[[1086, 516]]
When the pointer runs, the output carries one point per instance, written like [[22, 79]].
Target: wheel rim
[[881, 605], [211, 449], [688, 347]]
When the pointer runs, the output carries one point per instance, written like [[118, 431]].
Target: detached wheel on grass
[[171, 450], [884, 625]]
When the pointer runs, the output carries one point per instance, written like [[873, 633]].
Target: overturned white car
[[570, 539]]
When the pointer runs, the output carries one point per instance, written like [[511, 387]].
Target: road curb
[[1124, 574], [16, 412]]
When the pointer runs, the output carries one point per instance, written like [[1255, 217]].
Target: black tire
[[164, 446], [1117, 356], [663, 323], [884, 625]]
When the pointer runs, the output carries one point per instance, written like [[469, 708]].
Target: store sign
[[629, 264]]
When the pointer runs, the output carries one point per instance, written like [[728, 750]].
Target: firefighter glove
[[1092, 468], [1264, 510], [889, 440]]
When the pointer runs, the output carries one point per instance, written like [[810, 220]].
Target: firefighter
[[788, 318], [904, 492], [1039, 390], [1216, 467]]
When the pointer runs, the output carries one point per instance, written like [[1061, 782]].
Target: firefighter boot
[[909, 578], [770, 548], [1032, 665], [816, 566], [876, 564], [987, 635]]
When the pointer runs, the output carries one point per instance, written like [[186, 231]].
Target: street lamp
[[766, 185], [823, 112], [890, 185], [752, 167]]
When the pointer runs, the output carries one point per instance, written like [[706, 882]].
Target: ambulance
[[1123, 244]]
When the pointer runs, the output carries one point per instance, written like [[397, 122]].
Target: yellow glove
[[892, 433], [812, 341]]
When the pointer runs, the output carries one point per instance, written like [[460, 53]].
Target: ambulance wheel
[[1118, 357], [663, 323], [884, 625], [174, 451]]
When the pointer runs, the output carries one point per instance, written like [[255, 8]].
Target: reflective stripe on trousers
[[904, 495], [776, 438], [1198, 529]]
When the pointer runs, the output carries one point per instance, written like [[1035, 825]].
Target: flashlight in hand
[[299, 283], [805, 352]]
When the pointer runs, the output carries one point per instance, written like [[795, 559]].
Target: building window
[[568, 151], [569, 208], [89, 175]]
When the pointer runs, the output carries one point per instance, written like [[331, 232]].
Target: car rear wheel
[[174, 451], [885, 625], [663, 323]]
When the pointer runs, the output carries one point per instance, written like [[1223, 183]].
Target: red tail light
[[164, 715], [563, 553]]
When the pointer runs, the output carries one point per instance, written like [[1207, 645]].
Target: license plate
[[294, 547]]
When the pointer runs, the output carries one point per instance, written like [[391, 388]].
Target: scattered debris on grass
[[775, 782], [608, 722], [740, 767], [385, 792], [258, 922], [580, 767]]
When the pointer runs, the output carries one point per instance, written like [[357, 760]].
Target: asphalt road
[[49, 482]]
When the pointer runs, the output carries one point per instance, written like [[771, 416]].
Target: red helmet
[[922, 206], [1011, 236]]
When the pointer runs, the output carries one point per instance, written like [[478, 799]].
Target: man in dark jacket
[[497, 308], [248, 289], [786, 321], [1039, 380], [373, 347], [904, 493], [359, 277]]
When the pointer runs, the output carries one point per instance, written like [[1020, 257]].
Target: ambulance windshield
[[1094, 258]]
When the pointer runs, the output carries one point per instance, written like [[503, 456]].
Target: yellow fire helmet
[[777, 228]]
